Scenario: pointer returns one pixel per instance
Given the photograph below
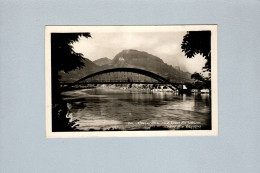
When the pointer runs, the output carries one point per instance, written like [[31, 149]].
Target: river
[[105, 108]]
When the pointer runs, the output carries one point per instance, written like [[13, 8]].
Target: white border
[[76, 134]]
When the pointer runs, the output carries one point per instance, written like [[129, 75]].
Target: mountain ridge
[[130, 58], [102, 61]]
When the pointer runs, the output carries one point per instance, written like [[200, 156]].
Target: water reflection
[[102, 109]]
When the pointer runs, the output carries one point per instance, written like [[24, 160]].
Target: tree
[[198, 42], [198, 77], [201, 81], [62, 53], [63, 57]]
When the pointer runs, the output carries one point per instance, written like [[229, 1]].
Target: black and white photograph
[[121, 81]]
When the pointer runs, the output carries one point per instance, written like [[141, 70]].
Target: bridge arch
[[157, 77]]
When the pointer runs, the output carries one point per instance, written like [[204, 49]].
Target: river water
[[104, 108]]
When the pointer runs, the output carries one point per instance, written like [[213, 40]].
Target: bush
[[60, 120]]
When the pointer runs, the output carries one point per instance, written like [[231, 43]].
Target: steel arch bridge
[[158, 78]]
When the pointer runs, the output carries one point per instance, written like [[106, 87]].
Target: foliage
[[198, 42], [62, 53], [201, 81], [63, 58], [197, 76], [60, 120]]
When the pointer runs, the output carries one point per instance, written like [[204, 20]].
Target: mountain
[[143, 60], [89, 68], [131, 59], [103, 61]]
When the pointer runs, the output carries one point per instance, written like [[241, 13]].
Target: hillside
[[143, 60], [77, 74], [130, 59], [103, 61]]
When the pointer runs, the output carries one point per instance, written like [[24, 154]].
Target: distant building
[[121, 59], [195, 90], [204, 91], [177, 68]]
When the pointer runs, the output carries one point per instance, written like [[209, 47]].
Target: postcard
[[131, 81]]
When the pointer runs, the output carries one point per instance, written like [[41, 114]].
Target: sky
[[165, 45]]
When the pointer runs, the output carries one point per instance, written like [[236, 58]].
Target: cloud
[[165, 45]]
